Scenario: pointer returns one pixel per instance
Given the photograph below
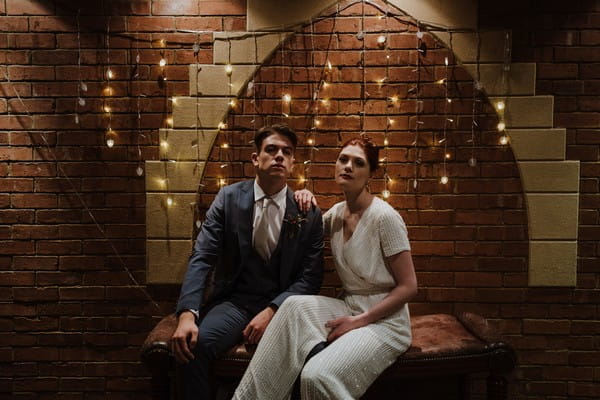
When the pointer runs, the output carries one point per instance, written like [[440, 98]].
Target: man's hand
[[341, 325], [305, 200], [256, 328], [184, 338]]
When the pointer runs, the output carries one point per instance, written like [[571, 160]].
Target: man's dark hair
[[282, 129]]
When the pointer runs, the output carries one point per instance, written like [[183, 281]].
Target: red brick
[[34, 40], [15, 24], [151, 24], [222, 7], [17, 278], [29, 7], [180, 7]]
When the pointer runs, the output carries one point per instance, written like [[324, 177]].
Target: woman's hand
[[305, 199], [341, 325]]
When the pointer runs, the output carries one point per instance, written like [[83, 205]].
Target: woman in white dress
[[369, 327]]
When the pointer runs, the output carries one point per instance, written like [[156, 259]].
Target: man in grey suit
[[261, 250]]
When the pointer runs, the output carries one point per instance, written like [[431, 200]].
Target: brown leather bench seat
[[445, 347]]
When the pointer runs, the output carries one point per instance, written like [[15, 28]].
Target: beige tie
[[262, 242]]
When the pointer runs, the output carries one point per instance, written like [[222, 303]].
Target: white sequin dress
[[347, 367]]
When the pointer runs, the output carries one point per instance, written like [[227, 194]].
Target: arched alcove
[[549, 182]]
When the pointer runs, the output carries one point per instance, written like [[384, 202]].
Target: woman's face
[[352, 171]]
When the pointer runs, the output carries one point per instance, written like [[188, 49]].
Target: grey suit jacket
[[225, 241]]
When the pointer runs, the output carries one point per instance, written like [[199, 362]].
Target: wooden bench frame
[[443, 346]]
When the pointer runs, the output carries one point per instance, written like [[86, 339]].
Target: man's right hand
[[184, 338]]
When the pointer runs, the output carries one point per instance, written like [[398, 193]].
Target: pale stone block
[[185, 144], [167, 260], [453, 14], [269, 14], [553, 216], [263, 14], [464, 45], [173, 221], [526, 111], [206, 112], [169, 177], [519, 80], [253, 49], [538, 144], [550, 176], [212, 80], [552, 263]]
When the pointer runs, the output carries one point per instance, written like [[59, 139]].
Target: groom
[[260, 250]]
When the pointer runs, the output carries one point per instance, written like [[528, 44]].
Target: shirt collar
[[278, 198]]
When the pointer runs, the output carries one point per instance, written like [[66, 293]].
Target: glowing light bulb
[[325, 84], [106, 109], [169, 121], [449, 100], [501, 126], [325, 102], [386, 142], [164, 144], [222, 125], [504, 140], [500, 105], [110, 74], [110, 142], [317, 122], [287, 97], [444, 180], [329, 66], [441, 81], [381, 39], [108, 91], [394, 99], [169, 201], [139, 171], [391, 121], [311, 141], [385, 194], [174, 100], [301, 179], [225, 145], [447, 155], [222, 182], [228, 69], [162, 62], [232, 103], [472, 162], [446, 60]]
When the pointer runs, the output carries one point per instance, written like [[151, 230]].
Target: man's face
[[275, 159]]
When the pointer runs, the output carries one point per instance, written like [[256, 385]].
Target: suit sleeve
[[204, 256], [309, 280]]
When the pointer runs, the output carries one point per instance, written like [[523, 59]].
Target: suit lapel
[[245, 214], [288, 239]]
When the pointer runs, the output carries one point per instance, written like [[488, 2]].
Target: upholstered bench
[[445, 350]]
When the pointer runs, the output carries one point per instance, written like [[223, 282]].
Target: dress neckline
[[358, 224]]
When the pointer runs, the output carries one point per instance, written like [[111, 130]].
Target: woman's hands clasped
[[341, 325]]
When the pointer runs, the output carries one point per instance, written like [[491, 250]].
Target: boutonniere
[[294, 224]]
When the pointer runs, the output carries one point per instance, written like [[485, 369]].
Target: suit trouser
[[218, 331]]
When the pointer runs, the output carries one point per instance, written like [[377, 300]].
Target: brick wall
[[72, 210]]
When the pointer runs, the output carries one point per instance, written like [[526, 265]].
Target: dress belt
[[368, 291]]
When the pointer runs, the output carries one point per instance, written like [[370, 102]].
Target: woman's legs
[[297, 327], [348, 366]]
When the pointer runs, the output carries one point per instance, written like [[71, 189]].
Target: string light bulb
[[169, 201], [501, 126], [164, 144], [310, 141], [106, 109], [228, 69], [448, 156], [500, 105], [110, 142], [225, 145], [444, 180], [232, 103], [287, 97], [385, 194], [169, 121], [503, 140], [222, 182], [381, 40], [162, 62], [110, 74], [386, 142]]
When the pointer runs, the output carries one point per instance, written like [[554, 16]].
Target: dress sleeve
[[392, 233]]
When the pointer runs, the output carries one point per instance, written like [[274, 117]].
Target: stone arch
[[550, 183]]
